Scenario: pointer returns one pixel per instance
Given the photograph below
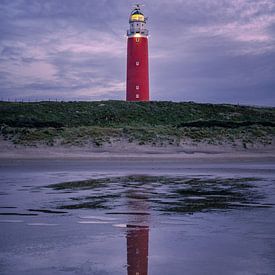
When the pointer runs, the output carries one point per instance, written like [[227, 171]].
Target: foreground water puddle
[[144, 195], [81, 220]]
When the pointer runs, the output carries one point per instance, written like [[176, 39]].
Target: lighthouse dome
[[137, 15]]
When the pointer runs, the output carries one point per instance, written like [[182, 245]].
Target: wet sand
[[132, 151]]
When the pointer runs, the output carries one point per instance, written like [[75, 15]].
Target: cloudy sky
[[219, 51]]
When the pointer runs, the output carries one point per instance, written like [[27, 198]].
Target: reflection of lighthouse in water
[[137, 237], [137, 58], [137, 249]]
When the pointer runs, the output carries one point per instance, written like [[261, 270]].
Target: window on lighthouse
[[137, 87], [137, 63], [137, 96]]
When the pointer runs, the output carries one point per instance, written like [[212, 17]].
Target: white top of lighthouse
[[137, 23]]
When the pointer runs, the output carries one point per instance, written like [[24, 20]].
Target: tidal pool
[[137, 217]]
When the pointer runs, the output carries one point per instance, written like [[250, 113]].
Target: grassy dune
[[152, 123]]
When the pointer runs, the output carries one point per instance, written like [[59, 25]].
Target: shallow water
[[137, 217]]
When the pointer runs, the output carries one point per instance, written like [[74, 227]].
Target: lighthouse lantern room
[[137, 87]]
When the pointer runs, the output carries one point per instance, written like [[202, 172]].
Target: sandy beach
[[124, 150]]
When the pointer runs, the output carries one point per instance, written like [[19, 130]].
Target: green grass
[[120, 113], [154, 123]]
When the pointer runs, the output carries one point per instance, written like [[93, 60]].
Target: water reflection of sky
[[131, 233]]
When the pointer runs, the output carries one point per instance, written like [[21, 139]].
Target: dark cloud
[[207, 51]]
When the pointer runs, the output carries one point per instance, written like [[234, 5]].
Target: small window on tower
[[137, 39], [137, 63], [137, 87], [137, 96]]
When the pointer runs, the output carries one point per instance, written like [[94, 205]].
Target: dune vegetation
[[144, 123]]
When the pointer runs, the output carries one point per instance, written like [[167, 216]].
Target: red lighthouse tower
[[137, 88]]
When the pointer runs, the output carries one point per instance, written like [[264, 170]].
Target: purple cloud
[[206, 51]]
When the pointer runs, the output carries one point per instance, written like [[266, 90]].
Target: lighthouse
[[137, 87]]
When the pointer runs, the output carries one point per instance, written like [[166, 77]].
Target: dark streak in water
[[47, 211], [255, 205], [17, 214], [128, 213], [86, 205]]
